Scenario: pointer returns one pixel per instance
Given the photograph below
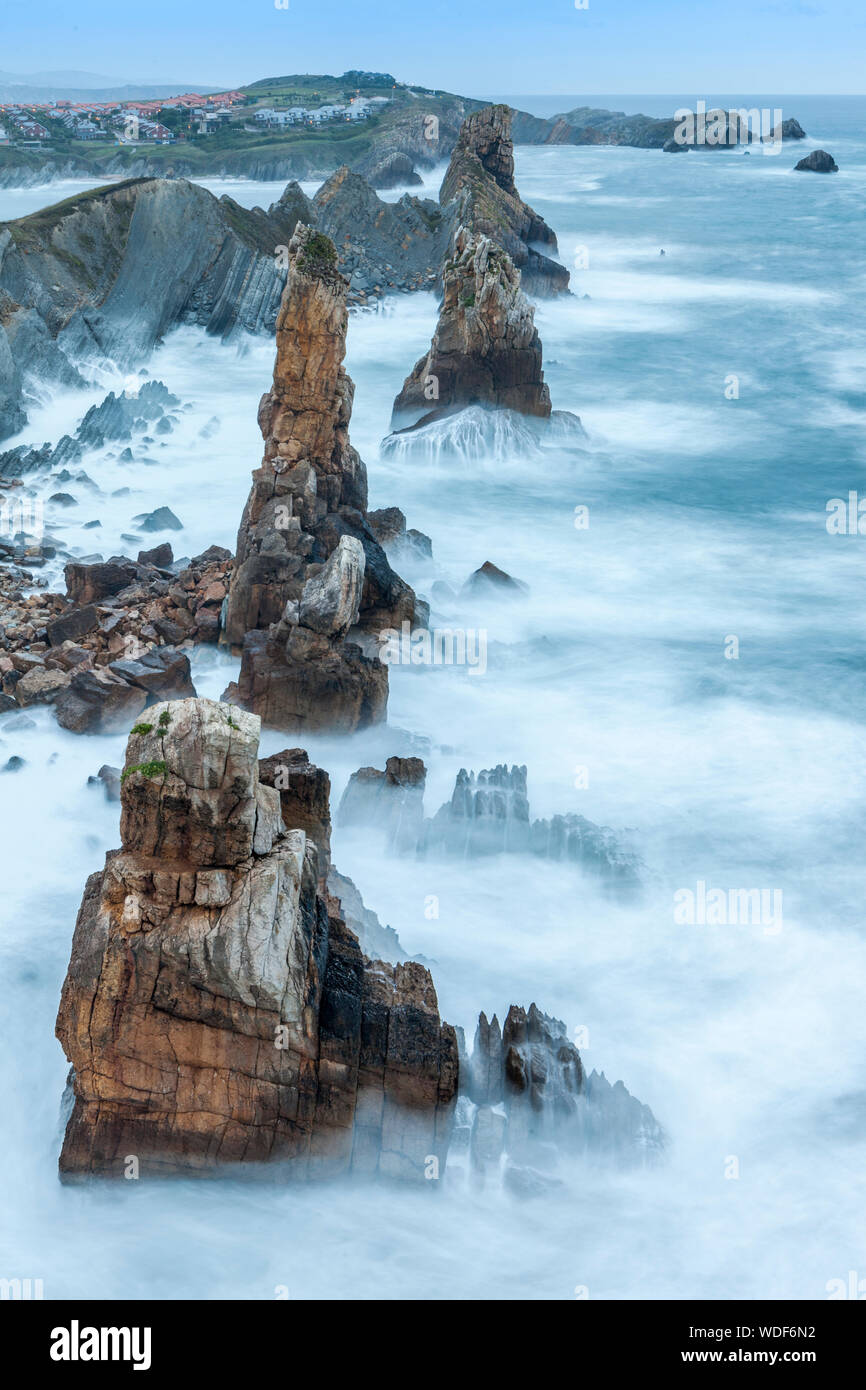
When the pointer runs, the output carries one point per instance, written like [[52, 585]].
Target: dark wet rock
[[63, 499], [490, 579], [109, 779], [128, 412], [13, 764], [97, 702], [818, 162], [789, 130], [389, 527], [71, 626], [163, 672], [162, 519], [161, 556], [87, 583]]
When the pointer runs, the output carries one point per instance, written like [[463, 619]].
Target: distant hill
[[72, 85]]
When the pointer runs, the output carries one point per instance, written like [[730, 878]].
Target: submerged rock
[[488, 813], [392, 800], [217, 1010], [531, 1104]]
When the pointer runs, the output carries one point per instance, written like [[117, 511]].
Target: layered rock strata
[[217, 1009], [111, 270]]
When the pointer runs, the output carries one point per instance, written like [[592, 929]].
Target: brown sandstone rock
[[486, 349], [217, 1010]]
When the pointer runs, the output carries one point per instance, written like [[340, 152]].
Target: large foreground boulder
[[217, 1009]]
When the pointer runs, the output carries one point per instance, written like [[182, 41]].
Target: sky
[[474, 47]]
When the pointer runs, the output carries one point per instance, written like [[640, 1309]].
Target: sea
[[687, 666]]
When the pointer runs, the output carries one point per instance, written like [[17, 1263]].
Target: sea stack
[[308, 567], [485, 349], [217, 1010], [479, 192]]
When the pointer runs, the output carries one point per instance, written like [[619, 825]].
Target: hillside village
[[190, 116]]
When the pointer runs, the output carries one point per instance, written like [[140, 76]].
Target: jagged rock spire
[[486, 349], [479, 192]]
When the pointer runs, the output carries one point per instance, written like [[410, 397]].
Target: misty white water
[[706, 522]]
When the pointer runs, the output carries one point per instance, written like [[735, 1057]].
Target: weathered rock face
[[478, 192], [305, 797], [527, 1101], [113, 269], [485, 350], [217, 1009], [308, 567], [381, 246]]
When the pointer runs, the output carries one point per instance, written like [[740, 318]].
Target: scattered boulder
[[489, 578], [161, 556], [530, 1103], [818, 162], [392, 801], [162, 519], [109, 779], [40, 687], [71, 626], [95, 702]]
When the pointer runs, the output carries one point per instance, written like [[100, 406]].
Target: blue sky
[[468, 46]]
